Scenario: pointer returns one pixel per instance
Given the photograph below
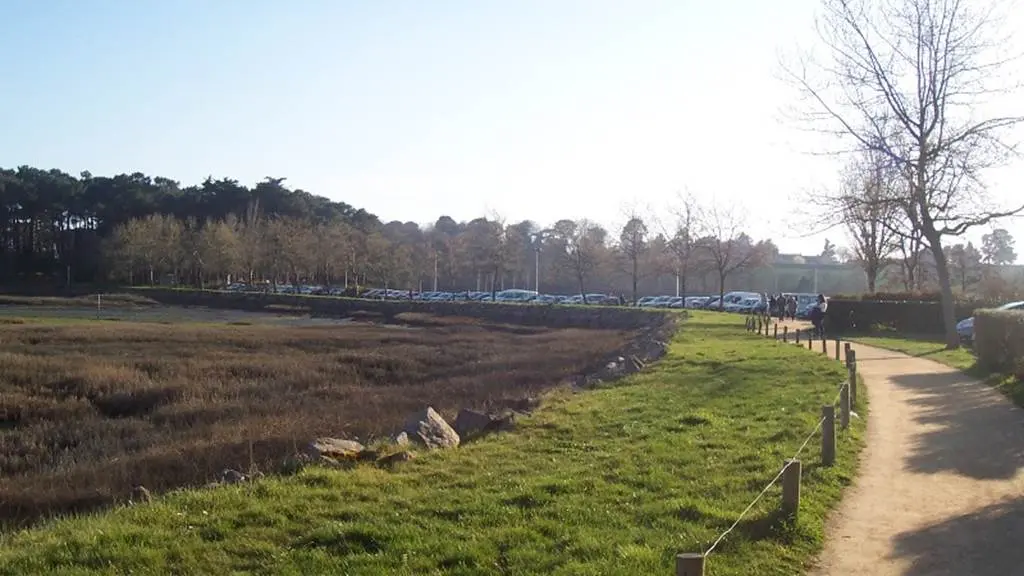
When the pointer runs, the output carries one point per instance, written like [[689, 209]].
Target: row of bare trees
[[904, 85], [696, 246]]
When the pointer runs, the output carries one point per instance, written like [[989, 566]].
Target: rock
[[503, 422], [392, 459], [402, 439], [470, 423], [294, 464], [139, 495], [429, 429], [229, 476], [526, 405], [335, 449], [636, 363]]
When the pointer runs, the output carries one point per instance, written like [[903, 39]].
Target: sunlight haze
[[533, 109]]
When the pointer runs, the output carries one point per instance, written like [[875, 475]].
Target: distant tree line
[[137, 229], [53, 224]]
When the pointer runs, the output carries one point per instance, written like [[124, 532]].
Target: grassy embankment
[[614, 480]]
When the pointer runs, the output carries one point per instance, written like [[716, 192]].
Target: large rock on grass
[[335, 449], [430, 429]]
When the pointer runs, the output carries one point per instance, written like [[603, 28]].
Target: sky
[[532, 109]]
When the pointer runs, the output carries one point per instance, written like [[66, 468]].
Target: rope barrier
[[807, 440]]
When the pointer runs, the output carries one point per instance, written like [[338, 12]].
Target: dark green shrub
[[900, 316], [999, 340]]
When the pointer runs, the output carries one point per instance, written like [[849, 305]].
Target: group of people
[[781, 306]]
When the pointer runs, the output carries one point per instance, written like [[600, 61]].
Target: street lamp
[[537, 238]]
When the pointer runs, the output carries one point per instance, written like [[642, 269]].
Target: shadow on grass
[[967, 429], [985, 542]]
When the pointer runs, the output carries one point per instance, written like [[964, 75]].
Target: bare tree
[[966, 266], [909, 247], [904, 79], [682, 238], [728, 248], [869, 215], [633, 246], [580, 246]]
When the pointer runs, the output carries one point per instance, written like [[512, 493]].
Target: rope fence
[[692, 564]]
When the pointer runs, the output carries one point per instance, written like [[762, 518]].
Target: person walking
[[818, 316]]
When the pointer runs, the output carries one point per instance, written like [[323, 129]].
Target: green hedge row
[[999, 341], [928, 297], [901, 316]]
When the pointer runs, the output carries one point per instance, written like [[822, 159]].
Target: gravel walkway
[[941, 489]]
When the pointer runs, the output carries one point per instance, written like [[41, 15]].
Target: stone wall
[[599, 317]]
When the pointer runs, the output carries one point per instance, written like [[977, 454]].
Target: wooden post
[[837, 349], [689, 565], [785, 333], [775, 334], [798, 336], [844, 407], [828, 435], [810, 341], [846, 353], [759, 325], [851, 360], [824, 346], [791, 489]]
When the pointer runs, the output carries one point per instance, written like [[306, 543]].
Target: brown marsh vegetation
[[89, 409]]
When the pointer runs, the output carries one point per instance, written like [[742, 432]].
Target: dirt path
[[941, 488]]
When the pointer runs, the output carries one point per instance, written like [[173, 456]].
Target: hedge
[[902, 316], [931, 297], [999, 340]]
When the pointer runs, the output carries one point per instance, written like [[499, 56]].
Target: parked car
[[745, 306], [515, 295], [696, 301], [965, 327]]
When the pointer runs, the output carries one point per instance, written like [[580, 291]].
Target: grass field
[[961, 358], [90, 408], [614, 480]]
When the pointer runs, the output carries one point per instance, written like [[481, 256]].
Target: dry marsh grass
[[89, 409]]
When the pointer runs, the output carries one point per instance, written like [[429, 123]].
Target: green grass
[[615, 480], [961, 359]]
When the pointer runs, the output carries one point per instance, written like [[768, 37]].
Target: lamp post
[[537, 238]]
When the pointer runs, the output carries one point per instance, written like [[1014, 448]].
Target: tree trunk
[[636, 272], [946, 291], [871, 271], [721, 290]]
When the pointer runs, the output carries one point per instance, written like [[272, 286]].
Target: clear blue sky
[[539, 109]]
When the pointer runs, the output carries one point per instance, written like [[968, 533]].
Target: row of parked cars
[[742, 302]]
